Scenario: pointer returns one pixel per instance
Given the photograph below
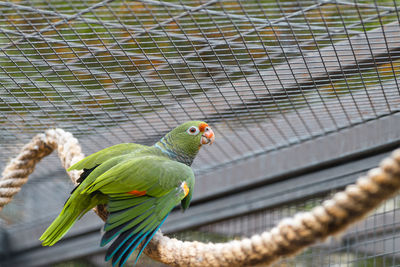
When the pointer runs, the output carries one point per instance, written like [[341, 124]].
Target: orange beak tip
[[208, 136]]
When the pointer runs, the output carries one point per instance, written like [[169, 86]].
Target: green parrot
[[140, 186]]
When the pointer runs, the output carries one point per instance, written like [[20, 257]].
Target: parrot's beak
[[207, 137]]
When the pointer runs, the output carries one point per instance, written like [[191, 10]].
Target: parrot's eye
[[193, 130]]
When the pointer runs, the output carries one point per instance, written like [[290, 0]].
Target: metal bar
[[56, 66], [73, 44], [322, 65], [334, 61], [53, 26], [138, 31], [230, 41], [95, 50], [263, 168], [218, 13], [355, 4], [276, 22], [257, 61]]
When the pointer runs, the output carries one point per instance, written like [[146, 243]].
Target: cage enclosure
[[303, 96]]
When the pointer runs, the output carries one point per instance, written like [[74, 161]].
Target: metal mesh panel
[[127, 70], [372, 242], [265, 74]]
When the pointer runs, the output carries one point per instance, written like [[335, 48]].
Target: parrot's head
[[193, 134], [188, 138]]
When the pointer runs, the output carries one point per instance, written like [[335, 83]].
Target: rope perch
[[289, 237]]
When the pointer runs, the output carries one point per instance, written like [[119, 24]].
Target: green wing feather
[[105, 154], [156, 175], [78, 204], [104, 160]]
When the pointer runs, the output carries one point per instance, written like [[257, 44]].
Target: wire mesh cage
[[373, 242], [268, 75]]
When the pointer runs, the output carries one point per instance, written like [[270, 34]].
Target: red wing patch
[[137, 193]]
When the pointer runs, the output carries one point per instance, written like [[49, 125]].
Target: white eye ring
[[193, 130]]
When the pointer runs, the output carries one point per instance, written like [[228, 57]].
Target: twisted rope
[[289, 237]]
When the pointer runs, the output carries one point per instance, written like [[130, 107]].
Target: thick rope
[[289, 237]]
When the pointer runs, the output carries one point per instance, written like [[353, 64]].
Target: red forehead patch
[[202, 126]]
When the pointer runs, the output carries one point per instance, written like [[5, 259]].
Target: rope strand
[[288, 238]]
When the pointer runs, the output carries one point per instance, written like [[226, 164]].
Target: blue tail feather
[[118, 243], [119, 254], [129, 250], [148, 238], [121, 240], [132, 242], [111, 234], [131, 229]]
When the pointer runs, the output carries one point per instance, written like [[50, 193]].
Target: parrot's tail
[[75, 207]]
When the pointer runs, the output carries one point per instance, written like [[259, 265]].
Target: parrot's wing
[[139, 175], [142, 191], [102, 156], [102, 161], [135, 220]]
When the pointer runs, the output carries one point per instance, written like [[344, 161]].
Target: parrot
[[139, 185]]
